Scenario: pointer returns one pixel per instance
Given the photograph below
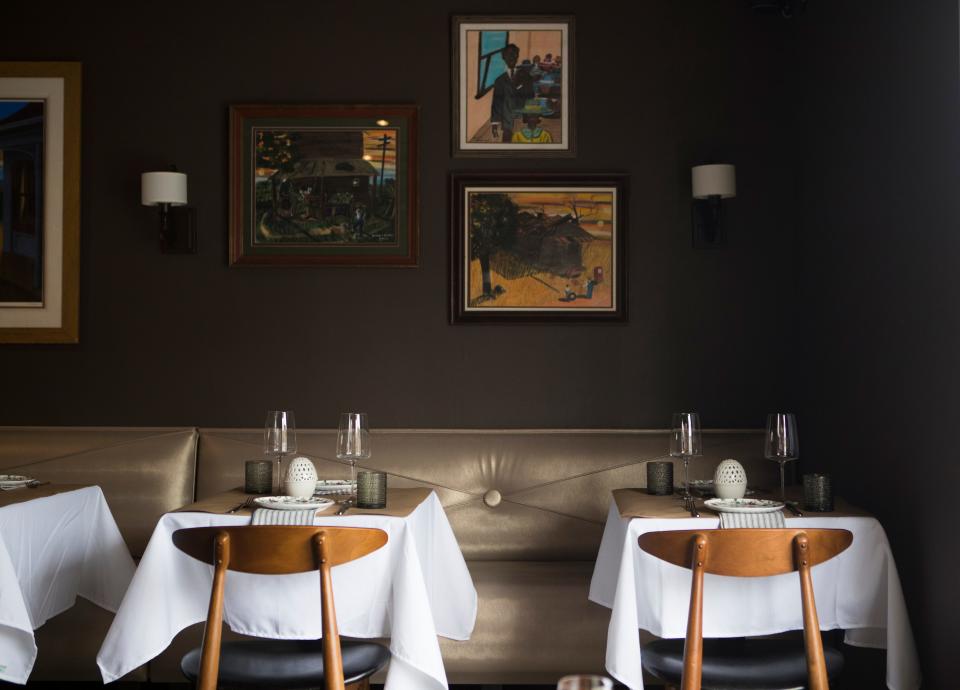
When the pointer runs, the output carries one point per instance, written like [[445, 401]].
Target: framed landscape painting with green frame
[[538, 247], [333, 185]]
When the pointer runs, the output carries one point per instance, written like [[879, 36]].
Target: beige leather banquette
[[527, 506]]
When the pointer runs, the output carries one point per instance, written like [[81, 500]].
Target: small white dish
[[743, 505], [15, 480], [329, 487], [702, 485], [292, 503]]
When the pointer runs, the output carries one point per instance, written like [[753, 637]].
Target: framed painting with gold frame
[[39, 202]]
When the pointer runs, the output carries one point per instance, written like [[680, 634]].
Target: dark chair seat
[[740, 664], [287, 663]]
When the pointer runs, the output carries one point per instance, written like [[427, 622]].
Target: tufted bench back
[[144, 472], [534, 495]]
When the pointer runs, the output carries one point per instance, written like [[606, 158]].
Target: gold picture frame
[[40, 220]]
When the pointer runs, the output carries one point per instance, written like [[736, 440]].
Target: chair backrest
[[270, 550], [749, 553]]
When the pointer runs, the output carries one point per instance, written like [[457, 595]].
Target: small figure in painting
[[568, 294], [588, 287], [535, 70], [359, 218], [510, 92], [532, 132]]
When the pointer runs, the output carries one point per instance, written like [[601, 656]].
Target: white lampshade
[[714, 180], [163, 188]]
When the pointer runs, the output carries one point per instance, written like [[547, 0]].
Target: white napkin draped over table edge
[[415, 587], [858, 591], [52, 550]]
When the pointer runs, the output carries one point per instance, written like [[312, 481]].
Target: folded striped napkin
[[267, 516], [738, 520]]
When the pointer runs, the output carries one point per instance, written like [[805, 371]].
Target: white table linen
[[411, 590], [858, 591], [53, 549]]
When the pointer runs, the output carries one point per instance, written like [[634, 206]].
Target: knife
[[793, 508], [344, 508]]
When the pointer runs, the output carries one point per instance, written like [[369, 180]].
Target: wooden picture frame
[[40, 202], [324, 185], [513, 86], [538, 247]]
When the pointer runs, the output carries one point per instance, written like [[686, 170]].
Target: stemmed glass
[[585, 683], [353, 440], [279, 439], [685, 442], [781, 443]]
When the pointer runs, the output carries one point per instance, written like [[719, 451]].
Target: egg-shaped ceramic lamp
[[301, 478], [730, 480]]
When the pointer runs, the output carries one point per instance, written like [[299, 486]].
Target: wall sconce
[[178, 227], [711, 184]]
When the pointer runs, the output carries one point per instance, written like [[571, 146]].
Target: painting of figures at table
[[552, 251], [333, 186], [514, 86], [21, 202]]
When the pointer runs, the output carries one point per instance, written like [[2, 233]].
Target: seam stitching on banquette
[[139, 439]]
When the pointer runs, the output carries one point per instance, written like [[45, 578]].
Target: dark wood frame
[[69, 329], [408, 257], [460, 180], [569, 59]]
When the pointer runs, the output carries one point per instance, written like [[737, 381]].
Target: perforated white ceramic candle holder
[[730, 480], [301, 478]]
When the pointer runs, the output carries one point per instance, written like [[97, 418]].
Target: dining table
[[57, 542], [411, 590], [858, 592]]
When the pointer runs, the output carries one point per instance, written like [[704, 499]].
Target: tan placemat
[[637, 503], [8, 498], [400, 503]]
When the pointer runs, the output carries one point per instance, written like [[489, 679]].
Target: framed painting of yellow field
[[530, 247]]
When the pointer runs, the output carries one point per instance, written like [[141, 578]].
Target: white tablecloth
[[53, 549], [858, 591], [411, 590]]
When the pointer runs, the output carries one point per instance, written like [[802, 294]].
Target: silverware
[[792, 505], [238, 507], [344, 507], [35, 484], [692, 506]]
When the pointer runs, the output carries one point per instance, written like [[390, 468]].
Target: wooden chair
[[763, 663], [269, 550]]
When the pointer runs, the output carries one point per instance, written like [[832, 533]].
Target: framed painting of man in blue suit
[[513, 86]]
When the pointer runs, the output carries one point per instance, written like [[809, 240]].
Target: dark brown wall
[[879, 251], [186, 340]]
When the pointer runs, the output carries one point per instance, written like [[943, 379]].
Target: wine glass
[[353, 440], [781, 443], [279, 439], [585, 683], [685, 442]]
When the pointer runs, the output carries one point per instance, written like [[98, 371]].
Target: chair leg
[[362, 685]]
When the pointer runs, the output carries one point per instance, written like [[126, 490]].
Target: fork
[[238, 507], [691, 502]]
